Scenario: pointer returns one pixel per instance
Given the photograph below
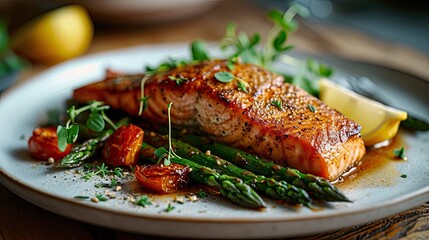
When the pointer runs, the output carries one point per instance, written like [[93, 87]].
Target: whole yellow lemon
[[61, 34]]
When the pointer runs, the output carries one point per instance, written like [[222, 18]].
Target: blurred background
[[391, 33]]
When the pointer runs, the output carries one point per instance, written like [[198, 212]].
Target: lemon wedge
[[379, 122], [55, 36]]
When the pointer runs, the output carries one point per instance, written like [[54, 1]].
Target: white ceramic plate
[[375, 195]]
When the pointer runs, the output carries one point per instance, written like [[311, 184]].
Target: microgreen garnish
[[242, 85], [399, 153], [311, 107], [101, 170], [166, 66], [161, 152], [143, 201], [143, 98], [277, 103], [224, 77], [178, 80], [403, 176], [101, 197], [169, 208], [199, 51], [227, 77], [118, 172], [96, 122], [201, 194]]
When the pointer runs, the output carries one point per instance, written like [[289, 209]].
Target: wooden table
[[22, 220]]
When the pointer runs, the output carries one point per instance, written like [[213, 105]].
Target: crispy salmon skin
[[265, 116]]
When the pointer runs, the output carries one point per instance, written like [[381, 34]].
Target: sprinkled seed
[[118, 188], [94, 199], [208, 153], [193, 198], [152, 134], [51, 160], [179, 200]]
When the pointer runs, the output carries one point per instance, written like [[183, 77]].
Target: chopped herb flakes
[[178, 80], [201, 194], [143, 201], [169, 208], [311, 107], [404, 176], [81, 197], [242, 86], [101, 197], [399, 153], [277, 103]]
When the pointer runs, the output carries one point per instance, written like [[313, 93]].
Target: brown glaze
[[324, 142]]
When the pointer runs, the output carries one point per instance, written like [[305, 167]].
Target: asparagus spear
[[230, 187], [83, 151], [276, 189], [316, 186]]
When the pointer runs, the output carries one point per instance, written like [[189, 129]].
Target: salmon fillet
[[317, 140]]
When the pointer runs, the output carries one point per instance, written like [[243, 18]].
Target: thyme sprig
[[143, 201]]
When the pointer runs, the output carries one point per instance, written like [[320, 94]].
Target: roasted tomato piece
[[159, 178], [122, 148], [43, 144]]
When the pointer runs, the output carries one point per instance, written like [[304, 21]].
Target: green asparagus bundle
[[276, 189], [230, 187], [316, 186], [83, 151]]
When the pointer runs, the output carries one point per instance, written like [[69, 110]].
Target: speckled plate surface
[[378, 193]]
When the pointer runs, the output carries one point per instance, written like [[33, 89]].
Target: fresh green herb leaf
[[399, 153], [118, 172], [62, 138], [404, 176], [143, 201], [277, 103], [72, 133], [88, 166], [178, 80], [95, 122], [88, 175], [201, 194], [169, 208], [242, 86], [101, 197], [311, 107], [224, 77], [102, 170], [199, 51]]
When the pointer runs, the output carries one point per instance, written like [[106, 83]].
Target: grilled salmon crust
[[302, 132]]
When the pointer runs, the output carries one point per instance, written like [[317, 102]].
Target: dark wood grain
[[20, 219]]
